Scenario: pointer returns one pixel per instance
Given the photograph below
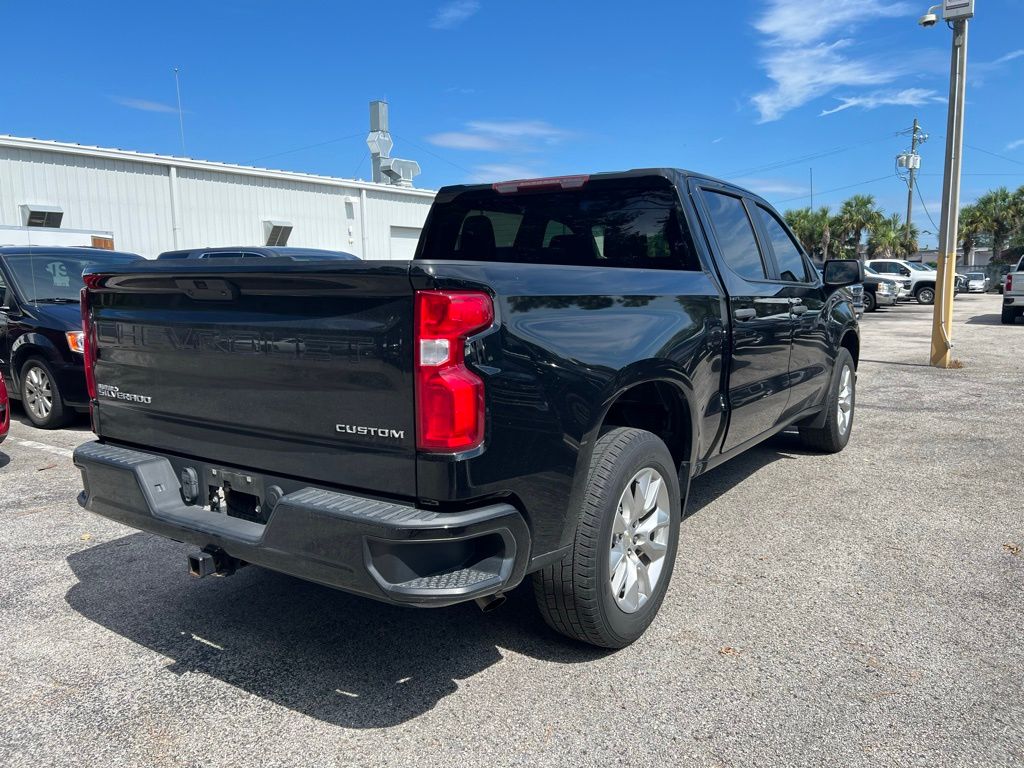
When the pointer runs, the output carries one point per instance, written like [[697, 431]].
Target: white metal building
[[151, 203]]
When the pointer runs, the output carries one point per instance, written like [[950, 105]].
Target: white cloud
[[503, 172], [1015, 145], [908, 97], [453, 13], [802, 60], [802, 22], [1009, 57], [769, 187], [143, 105], [469, 141], [804, 74], [501, 136]]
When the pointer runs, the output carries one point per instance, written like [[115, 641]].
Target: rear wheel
[[40, 395], [1009, 315], [925, 295], [840, 404], [609, 589]]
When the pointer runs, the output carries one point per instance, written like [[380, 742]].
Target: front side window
[[735, 235], [791, 263]]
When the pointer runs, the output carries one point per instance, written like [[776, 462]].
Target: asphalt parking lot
[[857, 609]]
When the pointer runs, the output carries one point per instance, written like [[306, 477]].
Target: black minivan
[[41, 327]]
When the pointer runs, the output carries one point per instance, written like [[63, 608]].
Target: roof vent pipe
[[387, 169]]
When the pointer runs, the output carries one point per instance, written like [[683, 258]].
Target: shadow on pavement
[[4, 459], [79, 421], [342, 659], [986, 320]]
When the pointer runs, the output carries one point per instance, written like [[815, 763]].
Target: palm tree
[[858, 214], [996, 208], [909, 244], [812, 230], [887, 237], [800, 221], [972, 226]]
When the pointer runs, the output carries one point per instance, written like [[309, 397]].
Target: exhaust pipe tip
[[490, 602]]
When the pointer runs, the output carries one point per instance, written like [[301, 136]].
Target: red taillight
[[449, 396], [1009, 283], [89, 337]]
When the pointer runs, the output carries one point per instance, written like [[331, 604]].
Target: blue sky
[[759, 93]]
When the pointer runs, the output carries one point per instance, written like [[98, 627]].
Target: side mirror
[[842, 272]]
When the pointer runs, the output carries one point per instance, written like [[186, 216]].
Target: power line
[[462, 168], [838, 189], [308, 146], [925, 207], [806, 158]]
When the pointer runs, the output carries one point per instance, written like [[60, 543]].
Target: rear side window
[[791, 264], [735, 235], [605, 222]]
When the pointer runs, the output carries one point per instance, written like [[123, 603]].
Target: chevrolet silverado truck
[[530, 396], [1013, 294]]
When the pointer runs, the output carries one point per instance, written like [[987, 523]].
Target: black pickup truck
[[531, 395]]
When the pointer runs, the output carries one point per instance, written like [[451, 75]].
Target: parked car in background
[[1013, 294], [41, 327], [5, 411], [530, 395], [880, 290], [261, 252], [922, 278], [977, 282]]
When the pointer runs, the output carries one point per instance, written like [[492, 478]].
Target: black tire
[[870, 305], [925, 295], [575, 595], [1009, 315], [36, 373], [832, 438]]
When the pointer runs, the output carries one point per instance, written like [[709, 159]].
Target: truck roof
[[60, 250], [675, 175]]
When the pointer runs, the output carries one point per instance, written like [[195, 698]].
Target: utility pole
[[959, 12], [914, 164]]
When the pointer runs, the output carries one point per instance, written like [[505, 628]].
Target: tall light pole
[[957, 13]]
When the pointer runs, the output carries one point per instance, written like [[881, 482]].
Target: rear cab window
[[624, 222], [735, 234]]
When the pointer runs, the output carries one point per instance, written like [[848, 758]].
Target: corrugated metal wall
[[133, 200]]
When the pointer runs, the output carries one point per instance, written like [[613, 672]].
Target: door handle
[[798, 309], [748, 313]]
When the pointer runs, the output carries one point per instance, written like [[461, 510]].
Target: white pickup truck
[[1013, 294]]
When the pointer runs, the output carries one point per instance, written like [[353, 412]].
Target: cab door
[[759, 315], [810, 362]]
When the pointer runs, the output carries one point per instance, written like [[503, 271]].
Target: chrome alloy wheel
[[38, 393], [844, 411], [639, 540]]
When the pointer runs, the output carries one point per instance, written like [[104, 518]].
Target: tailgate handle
[[204, 289]]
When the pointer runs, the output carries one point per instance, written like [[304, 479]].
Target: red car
[[5, 410]]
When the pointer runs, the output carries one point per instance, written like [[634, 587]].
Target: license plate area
[[237, 494]]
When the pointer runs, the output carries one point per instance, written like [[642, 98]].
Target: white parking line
[[65, 452]]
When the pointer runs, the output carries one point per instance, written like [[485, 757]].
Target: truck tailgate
[[301, 370]]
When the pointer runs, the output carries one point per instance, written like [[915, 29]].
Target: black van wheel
[[40, 395], [609, 589]]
